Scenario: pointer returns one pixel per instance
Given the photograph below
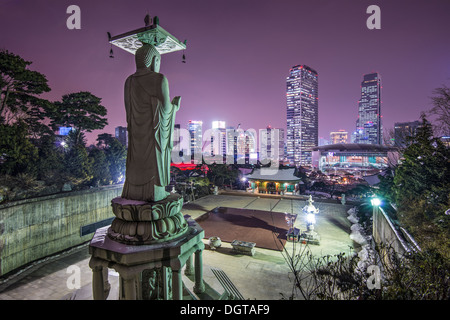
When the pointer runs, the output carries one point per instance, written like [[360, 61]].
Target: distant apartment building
[[271, 143], [403, 130], [196, 140], [241, 145], [219, 139], [121, 134]]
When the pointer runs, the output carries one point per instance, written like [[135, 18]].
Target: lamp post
[[310, 235], [376, 202]]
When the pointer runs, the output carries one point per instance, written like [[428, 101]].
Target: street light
[[375, 202]]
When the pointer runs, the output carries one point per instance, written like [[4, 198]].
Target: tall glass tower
[[196, 137], [369, 129], [302, 132]]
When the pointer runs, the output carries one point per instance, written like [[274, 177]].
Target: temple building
[[279, 181]]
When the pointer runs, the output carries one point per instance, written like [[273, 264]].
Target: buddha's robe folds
[[150, 122]]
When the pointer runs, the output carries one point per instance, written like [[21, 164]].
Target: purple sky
[[240, 52]]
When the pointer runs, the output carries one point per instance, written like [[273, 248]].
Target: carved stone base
[[140, 222]]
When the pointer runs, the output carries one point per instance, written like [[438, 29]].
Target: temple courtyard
[[263, 276]]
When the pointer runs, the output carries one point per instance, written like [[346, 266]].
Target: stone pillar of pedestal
[[177, 285], [100, 284], [199, 285], [189, 270]]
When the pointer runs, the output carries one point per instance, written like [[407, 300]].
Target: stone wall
[[35, 228], [387, 234]]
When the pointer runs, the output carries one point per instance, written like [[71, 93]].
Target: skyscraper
[[271, 145], [368, 126], [302, 132], [196, 135], [219, 132], [241, 144]]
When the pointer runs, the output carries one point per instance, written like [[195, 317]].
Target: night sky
[[240, 52]]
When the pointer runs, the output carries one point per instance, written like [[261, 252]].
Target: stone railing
[[35, 228], [388, 235]]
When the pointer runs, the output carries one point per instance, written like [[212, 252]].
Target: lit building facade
[[219, 133], [271, 144], [121, 134], [362, 158], [241, 145], [402, 130], [368, 126], [196, 139], [302, 130], [340, 136]]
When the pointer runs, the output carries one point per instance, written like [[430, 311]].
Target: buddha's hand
[[176, 103]]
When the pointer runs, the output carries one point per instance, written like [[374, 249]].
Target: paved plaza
[[262, 276]]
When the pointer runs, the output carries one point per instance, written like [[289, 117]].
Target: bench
[[244, 247]]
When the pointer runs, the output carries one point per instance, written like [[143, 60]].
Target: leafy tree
[[421, 185], [219, 173], [50, 162], [80, 110], [424, 169], [100, 167], [116, 155], [19, 90], [17, 153], [386, 184], [78, 165], [104, 140]]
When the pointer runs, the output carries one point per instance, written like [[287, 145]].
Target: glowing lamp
[[311, 218], [375, 202]]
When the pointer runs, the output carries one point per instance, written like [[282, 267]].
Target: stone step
[[214, 289], [233, 292]]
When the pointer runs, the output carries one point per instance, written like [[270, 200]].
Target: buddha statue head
[[148, 57]]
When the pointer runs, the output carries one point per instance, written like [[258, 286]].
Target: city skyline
[[238, 55]]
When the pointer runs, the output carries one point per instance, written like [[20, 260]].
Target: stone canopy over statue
[[150, 123]]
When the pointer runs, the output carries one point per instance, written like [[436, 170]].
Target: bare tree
[[440, 112]]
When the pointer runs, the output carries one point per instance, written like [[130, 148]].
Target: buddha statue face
[[148, 57]]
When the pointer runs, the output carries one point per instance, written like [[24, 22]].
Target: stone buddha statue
[[150, 122], [146, 213]]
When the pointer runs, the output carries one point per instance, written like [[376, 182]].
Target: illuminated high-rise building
[[219, 147], [196, 137], [369, 129], [241, 145], [271, 145], [302, 132]]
